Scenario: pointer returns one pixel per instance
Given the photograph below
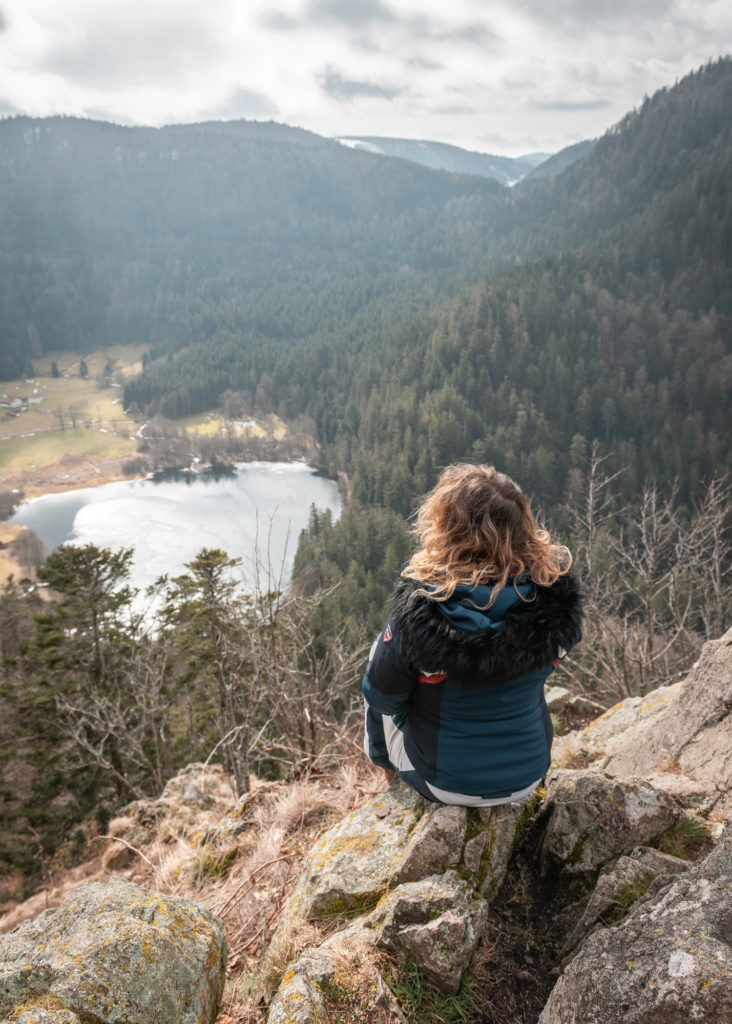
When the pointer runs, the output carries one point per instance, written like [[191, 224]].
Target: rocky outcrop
[[678, 736], [417, 875], [114, 953], [417, 880], [352, 865], [604, 731], [670, 960], [693, 733], [619, 885], [571, 881], [303, 995], [399, 837], [593, 818], [570, 710], [435, 923]]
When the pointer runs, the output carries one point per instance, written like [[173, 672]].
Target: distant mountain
[[553, 165], [534, 158], [442, 157]]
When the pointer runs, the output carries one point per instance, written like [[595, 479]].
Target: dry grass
[[578, 758], [259, 842], [9, 566], [240, 858], [209, 424]]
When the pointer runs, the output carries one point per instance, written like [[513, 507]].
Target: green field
[[81, 417], [77, 416], [40, 450]]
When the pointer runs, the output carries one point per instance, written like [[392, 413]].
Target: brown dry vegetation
[[238, 858]]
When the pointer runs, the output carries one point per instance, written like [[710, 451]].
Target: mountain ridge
[[445, 157]]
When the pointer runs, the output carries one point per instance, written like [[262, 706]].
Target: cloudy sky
[[499, 76]]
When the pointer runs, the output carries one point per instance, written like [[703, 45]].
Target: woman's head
[[475, 526]]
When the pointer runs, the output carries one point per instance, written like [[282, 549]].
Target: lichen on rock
[[115, 952], [395, 835], [594, 817], [669, 960]]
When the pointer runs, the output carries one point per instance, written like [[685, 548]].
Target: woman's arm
[[389, 679]]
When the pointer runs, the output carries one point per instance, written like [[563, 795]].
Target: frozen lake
[[256, 512]]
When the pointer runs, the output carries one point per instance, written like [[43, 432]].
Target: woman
[[454, 686]]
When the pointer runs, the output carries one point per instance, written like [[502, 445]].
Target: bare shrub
[[9, 501], [657, 583]]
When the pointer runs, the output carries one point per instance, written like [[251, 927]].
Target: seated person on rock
[[485, 609]]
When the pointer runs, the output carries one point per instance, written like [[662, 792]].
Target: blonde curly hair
[[476, 526]]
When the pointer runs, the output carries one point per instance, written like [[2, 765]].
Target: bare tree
[[124, 727], [656, 583], [28, 549]]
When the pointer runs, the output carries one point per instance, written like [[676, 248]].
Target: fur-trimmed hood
[[531, 634]]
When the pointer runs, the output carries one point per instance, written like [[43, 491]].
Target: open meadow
[[32, 451], [70, 430], [209, 424], [94, 400]]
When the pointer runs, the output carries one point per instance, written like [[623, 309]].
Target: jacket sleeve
[[564, 651], [389, 679]]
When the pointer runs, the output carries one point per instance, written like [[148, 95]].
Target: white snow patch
[[361, 144]]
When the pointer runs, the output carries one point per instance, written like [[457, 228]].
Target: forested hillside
[[226, 235], [624, 338], [647, 211]]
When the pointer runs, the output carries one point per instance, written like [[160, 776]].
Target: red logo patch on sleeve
[[387, 634], [432, 677]]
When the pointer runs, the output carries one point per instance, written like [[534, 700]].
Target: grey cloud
[[364, 16], [570, 105], [244, 103], [280, 22], [354, 14], [3, 22], [339, 88], [424, 28], [453, 109], [7, 108], [583, 14], [480, 35], [424, 64], [116, 55]]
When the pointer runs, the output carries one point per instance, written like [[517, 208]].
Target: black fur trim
[[529, 636]]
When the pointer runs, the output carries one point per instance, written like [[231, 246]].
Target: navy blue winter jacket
[[465, 684]]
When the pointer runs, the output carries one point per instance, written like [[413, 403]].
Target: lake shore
[[67, 473]]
